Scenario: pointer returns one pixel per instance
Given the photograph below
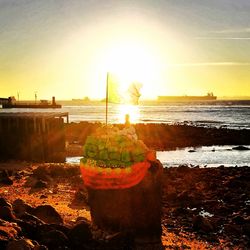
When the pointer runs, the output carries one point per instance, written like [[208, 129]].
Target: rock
[[72, 171], [6, 214], [202, 224], [234, 230], [80, 198], [30, 181], [183, 169], [246, 229], [8, 231], [241, 148], [43, 196], [41, 184], [17, 176], [239, 220], [29, 229], [20, 207], [80, 234], [4, 178], [31, 218], [47, 214], [41, 172], [55, 239], [57, 171], [23, 244], [4, 203], [191, 151], [45, 228], [40, 247]]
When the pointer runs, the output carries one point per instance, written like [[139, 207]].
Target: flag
[[114, 89], [120, 95], [133, 93]]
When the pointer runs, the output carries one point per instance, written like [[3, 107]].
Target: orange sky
[[64, 48]]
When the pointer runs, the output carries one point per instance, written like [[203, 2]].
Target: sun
[[132, 61]]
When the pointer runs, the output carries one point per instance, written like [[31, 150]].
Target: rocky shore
[[161, 136], [46, 207]]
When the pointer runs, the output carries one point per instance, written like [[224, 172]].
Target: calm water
[[203, 156], [231, 114]]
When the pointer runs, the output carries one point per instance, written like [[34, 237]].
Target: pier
[[9, 103], [33, 136]]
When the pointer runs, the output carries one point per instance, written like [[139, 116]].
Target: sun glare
[[132, 110], [132, 61], [128, 61]]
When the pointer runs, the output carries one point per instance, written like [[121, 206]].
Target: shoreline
[[160, 137], [203, 208]]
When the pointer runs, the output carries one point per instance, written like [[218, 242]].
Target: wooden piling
[[32, 136]]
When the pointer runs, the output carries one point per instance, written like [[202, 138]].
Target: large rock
[[4, 203], [202, 224], [6, 214], [8, 231], [22, 244], [4, 178], [136, 209], [47, 214], [55, 239], [20, 207], [80, 235]]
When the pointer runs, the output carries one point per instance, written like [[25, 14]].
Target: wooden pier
[[33, 136]]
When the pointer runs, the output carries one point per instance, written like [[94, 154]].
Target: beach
[[202, 208]]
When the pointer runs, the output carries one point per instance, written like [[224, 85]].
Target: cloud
[[231, 31], [202, 64], [221, 38], [241, 33]]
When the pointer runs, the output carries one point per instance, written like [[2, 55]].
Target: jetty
[[8, 103], [33, 136]]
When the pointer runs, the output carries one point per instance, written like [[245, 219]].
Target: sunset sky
[[174, 47]]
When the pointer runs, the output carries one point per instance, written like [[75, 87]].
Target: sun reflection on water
[[132, 110]]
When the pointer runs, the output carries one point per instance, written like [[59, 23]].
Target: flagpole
[[107, 95]]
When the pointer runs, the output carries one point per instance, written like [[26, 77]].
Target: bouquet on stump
[[114, 158]]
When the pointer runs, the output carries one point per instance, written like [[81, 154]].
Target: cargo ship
[[8, 103], [209, 97]]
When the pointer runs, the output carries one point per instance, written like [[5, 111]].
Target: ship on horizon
[[209, 97]]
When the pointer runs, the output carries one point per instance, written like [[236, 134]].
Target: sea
[[220, 114]]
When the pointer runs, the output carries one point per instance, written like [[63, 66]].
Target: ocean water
[[212, 156], [233, 114], [230, 114]]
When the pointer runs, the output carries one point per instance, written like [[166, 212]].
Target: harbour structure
[[43, 104], [33, 136], [209, 97]]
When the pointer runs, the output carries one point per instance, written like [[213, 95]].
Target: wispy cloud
[[231, 31], [202, 64], [221, 38], [241, 33]]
